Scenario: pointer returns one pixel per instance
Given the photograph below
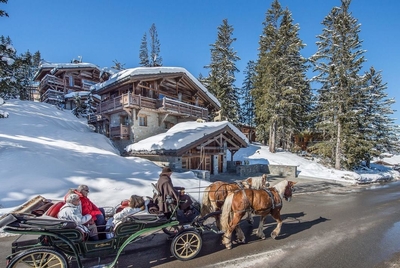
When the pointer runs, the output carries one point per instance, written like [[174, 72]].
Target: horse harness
[[273, 206]]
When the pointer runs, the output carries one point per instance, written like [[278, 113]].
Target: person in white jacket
[[137, 205], [72, 211]]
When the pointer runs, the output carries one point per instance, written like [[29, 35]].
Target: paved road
[[141, 250]]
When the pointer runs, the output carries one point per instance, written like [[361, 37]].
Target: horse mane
[[280, 187], [205, 202], [226, 212], [257, 183]]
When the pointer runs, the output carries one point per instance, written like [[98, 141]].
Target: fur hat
[[166, 170], [71, 198]]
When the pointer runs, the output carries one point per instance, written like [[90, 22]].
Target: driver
[[167, 189]]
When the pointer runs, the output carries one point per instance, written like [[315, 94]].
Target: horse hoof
[[273, 236]]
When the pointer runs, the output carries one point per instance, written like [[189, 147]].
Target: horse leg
[[250, 218], [227, 237], [277, 216], [217, 217], [240, 235], [260, 230]]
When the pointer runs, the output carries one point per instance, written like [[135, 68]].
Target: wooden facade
[[206, 153], [58, 79], [141, 102]]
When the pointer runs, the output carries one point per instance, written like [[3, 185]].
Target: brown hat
[[166, 170]]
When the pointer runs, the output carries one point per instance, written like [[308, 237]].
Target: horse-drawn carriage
[[58, 243]]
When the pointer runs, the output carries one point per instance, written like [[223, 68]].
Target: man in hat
[[168, 191]]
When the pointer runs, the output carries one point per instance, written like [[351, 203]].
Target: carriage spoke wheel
[[39, 258], [186, 245]]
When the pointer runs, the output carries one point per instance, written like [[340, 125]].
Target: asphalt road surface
[[326, 225]]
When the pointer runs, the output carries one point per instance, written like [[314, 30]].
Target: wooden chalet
[[192, 146], [141, 102], [58, 79], [249, 132]]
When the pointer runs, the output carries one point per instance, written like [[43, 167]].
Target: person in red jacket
[[88, 207]]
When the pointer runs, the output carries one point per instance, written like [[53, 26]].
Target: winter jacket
[[128, 211], [71, 212], [87, 206], [165, 188]]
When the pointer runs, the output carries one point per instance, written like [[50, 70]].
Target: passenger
[[88, 207], [137, 205], [72, 211], [167, 190]]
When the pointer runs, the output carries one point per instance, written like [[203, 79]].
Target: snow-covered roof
[[181, 135], [56, 66], [68, 65], [124, 74]]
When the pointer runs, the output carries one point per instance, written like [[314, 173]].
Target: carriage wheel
[[39, 258], [186, 245]]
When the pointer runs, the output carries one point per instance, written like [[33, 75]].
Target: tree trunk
[[272, 137], [338, 154]]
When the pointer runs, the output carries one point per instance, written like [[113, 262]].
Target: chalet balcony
[[52, 96], [165, 105], [119, 132], [51, 81], [56, 83]]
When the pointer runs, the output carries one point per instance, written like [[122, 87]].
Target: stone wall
[[277, 170]]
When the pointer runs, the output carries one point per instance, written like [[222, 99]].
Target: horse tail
[[205, 202], [226, 212]]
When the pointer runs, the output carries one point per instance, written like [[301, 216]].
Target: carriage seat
[[54, 209]]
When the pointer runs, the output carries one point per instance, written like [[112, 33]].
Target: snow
[[124, 74], [45, 151], [181, 135]]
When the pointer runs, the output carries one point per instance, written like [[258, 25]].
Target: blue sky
[[102, 31]]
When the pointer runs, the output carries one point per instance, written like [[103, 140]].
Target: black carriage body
[[63, 238]]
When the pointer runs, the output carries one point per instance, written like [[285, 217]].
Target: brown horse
[[215, 194], [260, 202]]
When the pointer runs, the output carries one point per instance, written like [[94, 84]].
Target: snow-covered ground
[[45, 151]]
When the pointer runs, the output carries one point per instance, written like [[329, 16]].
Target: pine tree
[[221, 78], [155, 58], [338, 61], [8, 69], [2, 12], [376, 107], [118, 66], [27, 65], [281, 91], [144, 52], [246, 115]]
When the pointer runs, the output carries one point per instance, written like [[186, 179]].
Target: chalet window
[[125, 120], [71, 81], [143, 120]]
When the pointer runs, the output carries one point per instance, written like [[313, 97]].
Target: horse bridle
[[288, 191]]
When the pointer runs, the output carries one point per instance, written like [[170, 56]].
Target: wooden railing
[[120, 131], [51, 80], [179, 107], [52, 96], [166, 104], [58, 83]]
